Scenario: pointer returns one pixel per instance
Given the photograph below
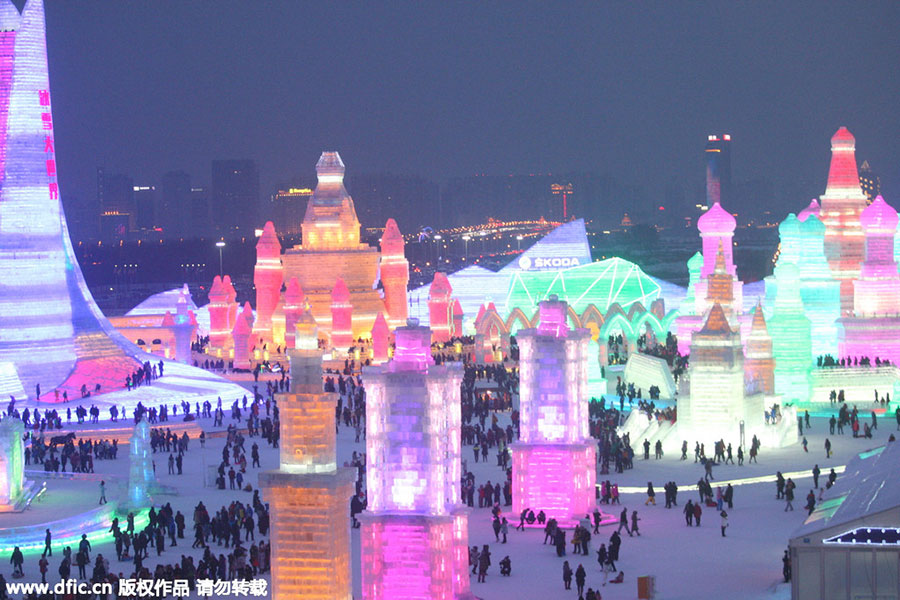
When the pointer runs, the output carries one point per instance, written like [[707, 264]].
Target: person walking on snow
[[623, 521], [724, 516], [634, 524]]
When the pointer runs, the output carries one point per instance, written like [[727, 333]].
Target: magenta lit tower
[[381, 339], [874, 328], [414, 533], [394, 269], [439, 304], [554, 461], [243, 329], [219, 331], [341, 316], [267, 278], [842, 204], [293, 308], [309, 493]]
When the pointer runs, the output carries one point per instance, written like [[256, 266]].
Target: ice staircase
[[10, 384]]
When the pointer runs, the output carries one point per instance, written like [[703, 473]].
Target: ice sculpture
[[415, 533], [309, 495], [759, 361], [791, 337], [332, 248], [842, 204], [241, 333], [874, 329], [293, 307], [267, 278], [439, 304], [341, 316], [12, 463], [140, 468], [381, 341], [554, 461], [394, 269]]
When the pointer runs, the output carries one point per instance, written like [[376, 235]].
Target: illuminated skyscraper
[[718, 170], [309, 494], [414, 532]]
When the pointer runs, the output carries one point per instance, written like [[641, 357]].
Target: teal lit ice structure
[[803, 245], [791, 333], [140, 470], [12, 464]]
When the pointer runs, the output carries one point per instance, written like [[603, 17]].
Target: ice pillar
[[12, 462], [394, 274], [267, 277], [439, 302]]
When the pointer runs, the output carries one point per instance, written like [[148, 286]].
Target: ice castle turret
[[554, 461], [791, 337], [414, 532], [842, 205], [394, 270], [874, 329], [267, 278], [308, 495]]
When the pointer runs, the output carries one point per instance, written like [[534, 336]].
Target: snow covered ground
[[688, 563]]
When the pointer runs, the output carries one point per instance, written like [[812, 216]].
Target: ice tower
[[394, 270], [791, 337], [12, 464], [874, 328], [718, 402], [267, 278], [554, 461], [439, 305], [309, 494], [140, 467], [842, 204], [293, 308], [759, 361], [51, 331], [332, 248], [414, 533]]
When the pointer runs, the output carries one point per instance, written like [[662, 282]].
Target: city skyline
[[570, 89]]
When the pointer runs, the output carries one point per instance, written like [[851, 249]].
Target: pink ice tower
[[293, 308], [414, 533], [394, 269], [243, 329], [554, 461], [439, 306], [267, 278], [381, 339], [716, 227], [219, 330], [812, 210], [341, 316], [874, 328]]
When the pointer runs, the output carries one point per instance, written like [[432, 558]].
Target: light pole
[[220, 244], [437, 239], [466, 239], [519, 239]]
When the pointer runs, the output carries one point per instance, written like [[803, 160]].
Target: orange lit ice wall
[[874, 328], [414, 533], [554, 461], [308, 494]]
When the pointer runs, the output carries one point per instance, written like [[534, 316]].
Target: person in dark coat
[[580, 576], [567, 576], [484, 561]]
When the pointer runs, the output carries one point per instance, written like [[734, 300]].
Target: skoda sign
[[526, 263]]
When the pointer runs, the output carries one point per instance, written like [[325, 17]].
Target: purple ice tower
[[554, 461], [414, 533]]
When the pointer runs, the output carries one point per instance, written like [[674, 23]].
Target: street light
[[466, 239], [519, 239], [437, 239], [220, 244]]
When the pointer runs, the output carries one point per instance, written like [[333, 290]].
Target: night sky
[[448, 89]]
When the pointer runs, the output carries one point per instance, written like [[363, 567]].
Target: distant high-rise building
[[235, 197], [869, 181], [175, 206], [287, 209], [718, 170], [145, 206], [201, 216], [118, 212], [563, 191]]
